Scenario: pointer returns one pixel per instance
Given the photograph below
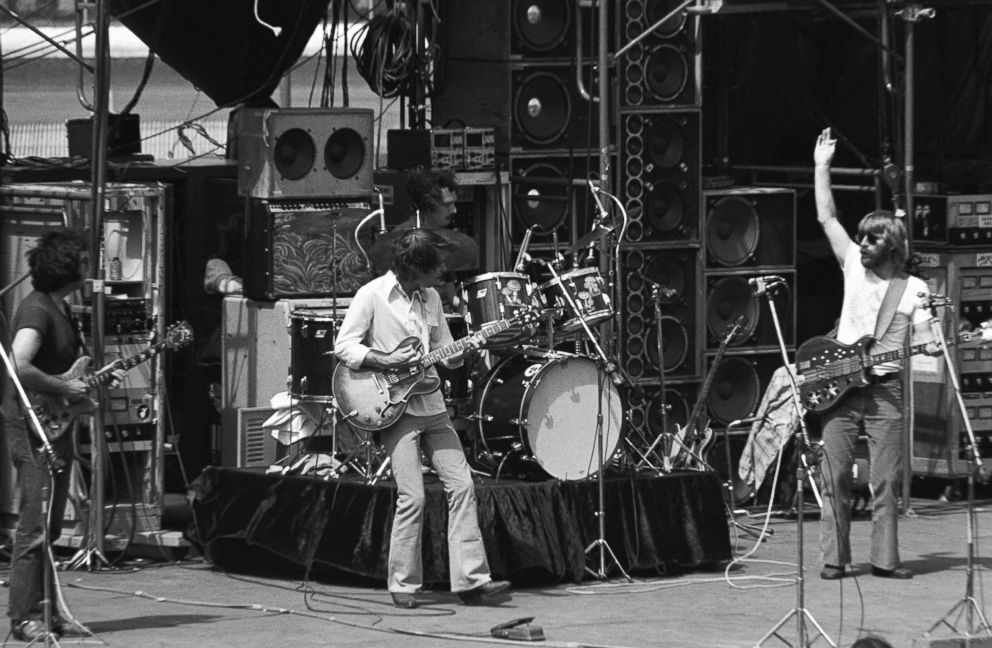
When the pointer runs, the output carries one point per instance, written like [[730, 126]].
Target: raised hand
[[823, 153]]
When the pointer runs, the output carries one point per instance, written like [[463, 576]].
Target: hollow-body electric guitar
[[828, 370], [373, 399], [56, 413]]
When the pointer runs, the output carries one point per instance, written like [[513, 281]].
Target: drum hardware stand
[[764, 286], [975, 621], [611, 369]]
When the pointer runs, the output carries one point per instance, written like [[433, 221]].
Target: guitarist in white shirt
[[385, 312], [870, 262], [45, 344]]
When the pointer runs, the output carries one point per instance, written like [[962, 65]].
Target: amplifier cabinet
[[305, 248]]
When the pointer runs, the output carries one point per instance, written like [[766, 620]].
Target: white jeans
[[467, 564]]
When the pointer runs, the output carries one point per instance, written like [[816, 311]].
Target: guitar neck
[[458, 346], [898, 354], [704, 391], [103, 377]]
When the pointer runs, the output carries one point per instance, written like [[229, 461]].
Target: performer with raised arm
[[383, 314], [877, 289]]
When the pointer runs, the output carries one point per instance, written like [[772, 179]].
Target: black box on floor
[[123, 136]]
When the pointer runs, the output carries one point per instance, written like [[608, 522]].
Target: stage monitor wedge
[[304, 152]]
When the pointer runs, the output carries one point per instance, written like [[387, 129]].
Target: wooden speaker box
[[305, 249]]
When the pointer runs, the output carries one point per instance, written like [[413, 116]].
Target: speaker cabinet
[[305, 152], [660, 170], [750, 228], [660, 70], [498, 30], [299, 249], [731, 295], [531, 106], [678, 270], [739, 383], [544, 197]]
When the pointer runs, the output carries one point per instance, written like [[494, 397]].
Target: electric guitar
[[828, 370], [374, 399], [56, 413], [693, 438]]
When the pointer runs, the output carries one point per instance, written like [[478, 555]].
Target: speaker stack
[[749, 233], [659, 142], [306, 174], [514, 66]]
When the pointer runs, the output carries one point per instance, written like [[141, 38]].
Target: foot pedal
[[518, 630]]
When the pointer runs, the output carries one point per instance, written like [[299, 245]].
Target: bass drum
[[545, 409]]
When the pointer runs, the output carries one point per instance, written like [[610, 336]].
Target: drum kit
[[529, 407]]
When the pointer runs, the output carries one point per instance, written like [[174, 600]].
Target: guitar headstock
[[733, 328], [178, 335]]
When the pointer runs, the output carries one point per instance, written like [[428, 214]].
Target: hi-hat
[[464, 254], [594, 234]]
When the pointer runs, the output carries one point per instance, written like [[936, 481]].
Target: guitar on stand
[[692, 441]]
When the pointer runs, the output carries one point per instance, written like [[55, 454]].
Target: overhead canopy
[[220, 46]]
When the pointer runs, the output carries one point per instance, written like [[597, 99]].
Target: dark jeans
[[27, 562]]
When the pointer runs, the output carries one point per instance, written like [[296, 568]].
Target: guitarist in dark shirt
[[876, 258], [383, 315], [45, 344]]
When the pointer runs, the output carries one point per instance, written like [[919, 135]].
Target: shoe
[[28, 629], [832, 572], [65, 628], [406, 600], [475, 595], [900, 573]]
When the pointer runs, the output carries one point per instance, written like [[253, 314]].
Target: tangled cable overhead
[[385, 50]]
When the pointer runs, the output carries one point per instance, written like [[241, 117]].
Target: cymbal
[[597, 232], [464, 254]]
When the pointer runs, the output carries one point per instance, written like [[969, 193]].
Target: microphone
[[559, 259], [664, 291], [761, 285], [522, 257], [599, 203], [382, 215]]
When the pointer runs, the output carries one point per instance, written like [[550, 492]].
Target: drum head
[[560, 410]]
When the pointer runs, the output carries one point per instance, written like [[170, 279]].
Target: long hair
[[418, 252], [424, 187], [891, 230], [55, 262]]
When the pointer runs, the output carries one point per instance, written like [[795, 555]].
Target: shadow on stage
[[534, 532]]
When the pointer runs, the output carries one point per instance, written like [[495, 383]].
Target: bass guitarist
[[45, 344], [385, 312], [874, 260]]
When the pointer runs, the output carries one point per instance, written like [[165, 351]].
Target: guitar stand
[[967, 606], [363, 458]]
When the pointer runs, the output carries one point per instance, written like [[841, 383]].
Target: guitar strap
[[890, 301]]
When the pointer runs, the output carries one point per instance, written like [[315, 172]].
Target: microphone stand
[[611, 369], [974, 618], [803, 470]]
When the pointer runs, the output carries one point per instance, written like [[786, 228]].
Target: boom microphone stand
[[764, 286], [975, 620]]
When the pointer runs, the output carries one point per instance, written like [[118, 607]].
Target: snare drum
[[545, 409], [586, 288], [496, 296], [312, 360]]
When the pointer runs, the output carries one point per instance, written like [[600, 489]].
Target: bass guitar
[[56, 413], [692, 439], [828, 370], [374, 399]]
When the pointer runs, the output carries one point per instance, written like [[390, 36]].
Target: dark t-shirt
[[59, 343]]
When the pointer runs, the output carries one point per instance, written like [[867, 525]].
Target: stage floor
[[190, 603], [534, 531]]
